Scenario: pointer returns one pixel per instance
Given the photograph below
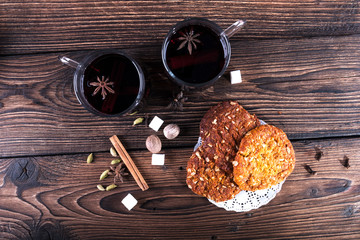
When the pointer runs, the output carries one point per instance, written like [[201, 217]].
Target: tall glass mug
[[196, 51], [108, 82]]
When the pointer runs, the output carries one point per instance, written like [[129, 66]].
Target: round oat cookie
[[205, 178], [209, 169], [265, 158], [228, 120]]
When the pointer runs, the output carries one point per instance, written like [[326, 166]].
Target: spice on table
[[124, 155], [318, 153], [177, 102], [138, 121], [111, 187], [100, 187], [133, 113], [309, 170], [119, 172], [104, 175], [153, 143], [113, 152], [115, 161], [90, 158], [171, 131], [345, 161]]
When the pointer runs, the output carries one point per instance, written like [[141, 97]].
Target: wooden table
[[300, 67]]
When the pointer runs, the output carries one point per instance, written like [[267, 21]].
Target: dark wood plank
[[39, 112], [56, 197], [309, 87], [48, 26]]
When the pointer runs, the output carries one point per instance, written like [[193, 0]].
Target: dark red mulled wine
[[195, 53], [111, 83], [108, 82]]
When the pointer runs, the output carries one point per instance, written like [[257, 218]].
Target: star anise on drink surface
[[102, 84], [189, 39], [119, 172]]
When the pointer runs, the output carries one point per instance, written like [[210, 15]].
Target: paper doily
[[246, 200]]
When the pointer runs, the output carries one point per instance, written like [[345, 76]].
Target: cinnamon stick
[[129, 162]]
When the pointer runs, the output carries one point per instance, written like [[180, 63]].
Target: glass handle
[[234, 28], [68, 61]]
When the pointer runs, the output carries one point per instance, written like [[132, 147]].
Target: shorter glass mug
[[196, 51], [108, 82]]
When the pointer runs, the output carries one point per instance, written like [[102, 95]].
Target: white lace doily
[[246, 200]]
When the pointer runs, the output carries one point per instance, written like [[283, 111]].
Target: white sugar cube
[[129, 201], [156, 123], [158, 159], [235, 77]]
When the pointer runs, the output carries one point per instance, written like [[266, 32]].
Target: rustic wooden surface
[[300, 67]]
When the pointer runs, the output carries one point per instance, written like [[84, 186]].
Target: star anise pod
[[119, 172], [177, 102], [189, 39], [102, 84]]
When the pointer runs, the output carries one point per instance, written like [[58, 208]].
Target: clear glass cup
[[196, 51], [108, 82]]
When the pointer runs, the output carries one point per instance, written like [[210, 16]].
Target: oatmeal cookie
[[206, 179], [265, 158], [222, 128], [209, 169], [229, 117]]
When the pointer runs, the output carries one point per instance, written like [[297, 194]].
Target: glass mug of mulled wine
[[196, 51], [108, 82]]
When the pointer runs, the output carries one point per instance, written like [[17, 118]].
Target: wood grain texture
[[299, 63], [308, 87], [56, 197], [49, 26]]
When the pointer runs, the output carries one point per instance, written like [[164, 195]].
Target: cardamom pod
[[90, 158], [115, 161], [113, 152], [104, 174], [138, 121], [100, 187], [133, 113], [111, 187]]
